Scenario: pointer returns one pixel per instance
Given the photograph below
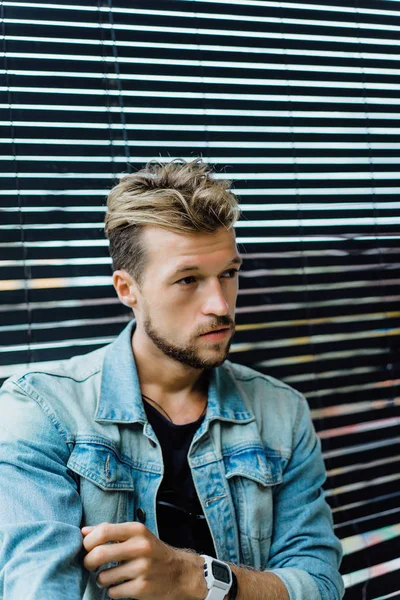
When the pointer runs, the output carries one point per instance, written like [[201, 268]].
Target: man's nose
[[215, 302]]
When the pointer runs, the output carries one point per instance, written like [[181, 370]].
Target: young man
[[126, 472]]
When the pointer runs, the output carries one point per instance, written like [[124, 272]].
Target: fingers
[[123, 581], [132, 545], [126, 572], [134, 548], [111, 532], [87, 529], [102, 555], [126, 590]]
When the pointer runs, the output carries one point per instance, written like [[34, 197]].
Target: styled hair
[[180, 196]]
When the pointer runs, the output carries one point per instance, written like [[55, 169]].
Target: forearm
[[252, 585], [259, 585]]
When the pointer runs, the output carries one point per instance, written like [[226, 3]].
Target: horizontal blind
[[296, 103]]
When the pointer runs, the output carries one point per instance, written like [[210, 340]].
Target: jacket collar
[[120, 398]]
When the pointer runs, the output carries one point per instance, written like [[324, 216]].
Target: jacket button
[[141, 515]]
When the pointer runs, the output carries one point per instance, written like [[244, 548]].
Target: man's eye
[[230, 274], [187, 280], [192, 279]]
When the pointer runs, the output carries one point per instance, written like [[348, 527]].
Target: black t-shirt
[[180, 518]]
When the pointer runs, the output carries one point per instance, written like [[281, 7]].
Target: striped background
[[298, 104]]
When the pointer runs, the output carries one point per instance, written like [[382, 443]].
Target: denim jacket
[[76, 449]]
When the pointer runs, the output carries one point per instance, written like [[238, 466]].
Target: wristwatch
[[218, 577]]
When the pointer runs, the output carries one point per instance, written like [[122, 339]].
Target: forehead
[[168, 250]]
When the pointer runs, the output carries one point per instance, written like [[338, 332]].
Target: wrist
[[192, 582]]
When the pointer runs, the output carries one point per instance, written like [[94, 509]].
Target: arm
[[305, 553], [40, 508], [252, 585], [149, 568], [304, 559]]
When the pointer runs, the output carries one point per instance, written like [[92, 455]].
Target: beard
[[189, 355]]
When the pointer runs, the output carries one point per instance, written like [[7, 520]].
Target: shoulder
[[65, 390], [68, 373], [252, 380], [276, 406]]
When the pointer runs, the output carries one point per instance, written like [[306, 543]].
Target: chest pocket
[[254, 473], [101, 465], [105, 482]]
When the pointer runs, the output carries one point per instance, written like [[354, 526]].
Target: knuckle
[[99, 554], [103, 530], [144, 547], [139, 528], [147, 565], [142, 586], [101, 577], [143, 566]]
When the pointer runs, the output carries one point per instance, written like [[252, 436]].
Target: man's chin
[[213, 359], [214, 364], [197, 354]]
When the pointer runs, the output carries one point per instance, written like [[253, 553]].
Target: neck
[[180, 391]]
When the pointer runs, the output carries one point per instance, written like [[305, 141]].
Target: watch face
[[220, 572]]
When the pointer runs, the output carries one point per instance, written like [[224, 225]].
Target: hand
[[149, 569]]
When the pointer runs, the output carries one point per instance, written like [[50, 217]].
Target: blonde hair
[[180, 196]]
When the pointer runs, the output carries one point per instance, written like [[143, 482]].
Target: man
[[126, 471]]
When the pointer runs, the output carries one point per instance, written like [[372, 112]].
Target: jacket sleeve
[[305, 553], [40, 508]]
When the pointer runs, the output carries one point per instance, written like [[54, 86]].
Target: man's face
[[189, 288]]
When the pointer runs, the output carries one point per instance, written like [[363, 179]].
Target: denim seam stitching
[[296, 424], [46, 410], [267, 380], [26, 375], [121, 456]]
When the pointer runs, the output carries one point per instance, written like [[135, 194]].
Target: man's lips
[[220, 331]]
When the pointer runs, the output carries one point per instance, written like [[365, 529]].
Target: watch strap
[[216, 594], [234, 588]]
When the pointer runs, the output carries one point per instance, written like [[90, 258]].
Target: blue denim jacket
[[76, 449]]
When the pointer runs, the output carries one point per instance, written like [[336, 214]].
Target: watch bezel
[[217, 588], [217, 564]]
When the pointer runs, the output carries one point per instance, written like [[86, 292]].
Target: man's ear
[[126, 287]]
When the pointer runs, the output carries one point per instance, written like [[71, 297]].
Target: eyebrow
[[235, 261]]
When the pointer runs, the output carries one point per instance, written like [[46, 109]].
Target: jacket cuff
[[298, 582]]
